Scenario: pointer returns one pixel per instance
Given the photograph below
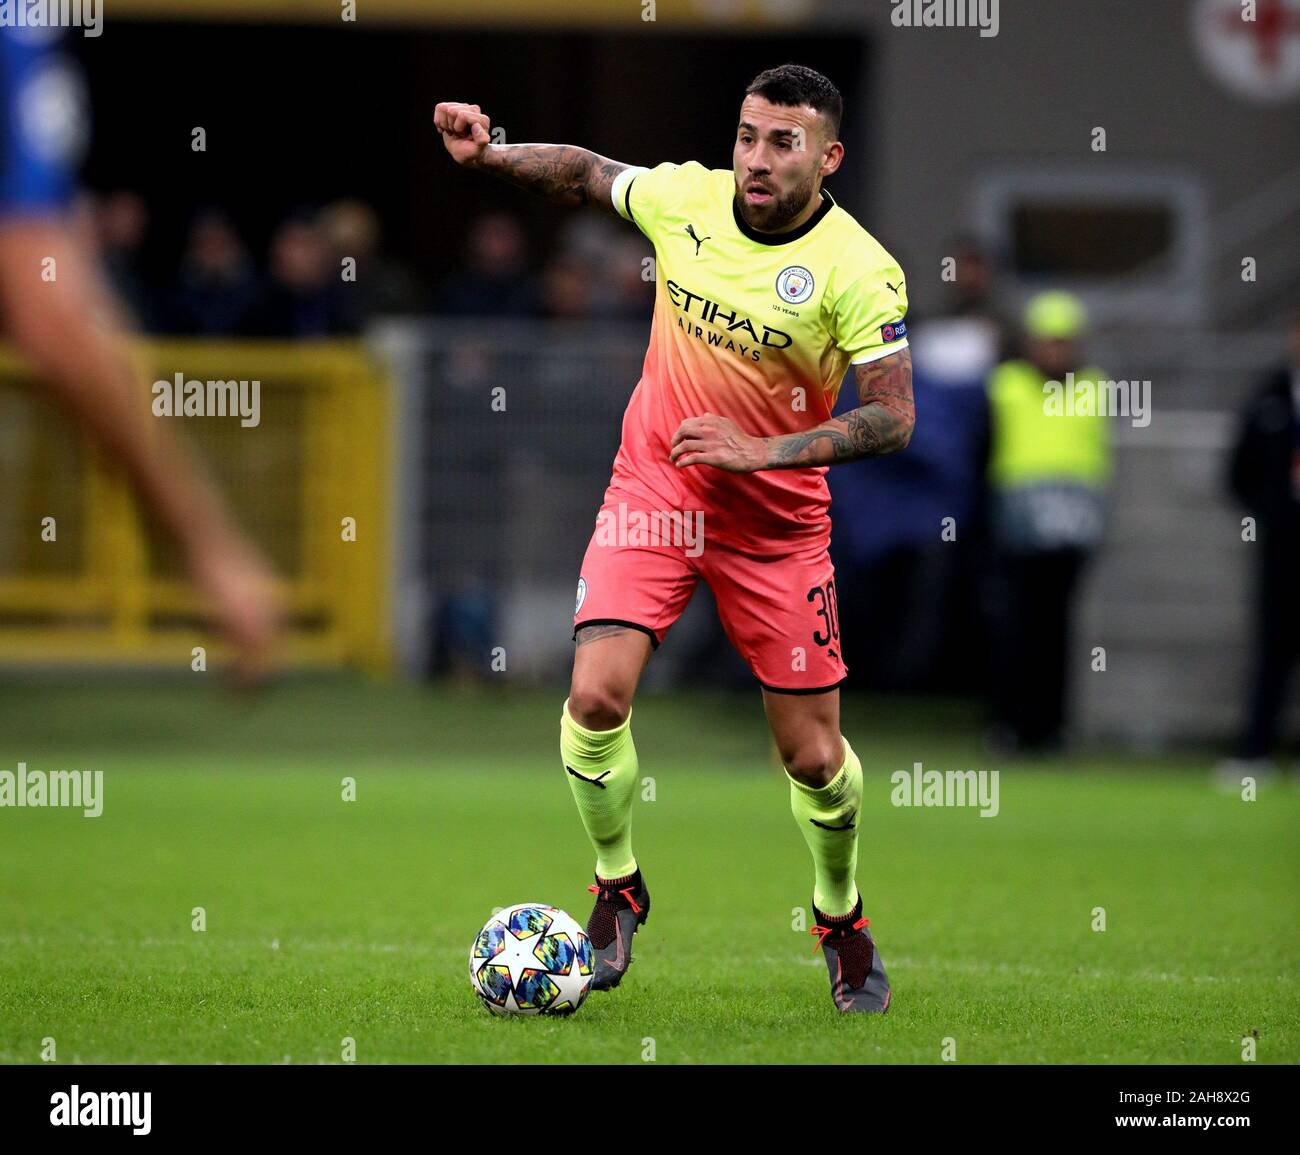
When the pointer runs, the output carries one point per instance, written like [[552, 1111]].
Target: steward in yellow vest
[[1049, 463], [1049, 450]]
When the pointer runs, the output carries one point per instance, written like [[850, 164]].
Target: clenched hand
[[713, 440]]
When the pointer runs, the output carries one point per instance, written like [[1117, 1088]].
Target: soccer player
[[61, 317], [767, 290]]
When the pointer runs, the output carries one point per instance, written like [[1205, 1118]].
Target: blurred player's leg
[[69, 326], [69, 331]]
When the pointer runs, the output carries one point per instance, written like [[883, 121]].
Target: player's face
[[779, 159]]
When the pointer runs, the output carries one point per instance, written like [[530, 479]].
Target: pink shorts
[[778, 609]]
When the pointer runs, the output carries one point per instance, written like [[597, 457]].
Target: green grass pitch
[[329, 919]]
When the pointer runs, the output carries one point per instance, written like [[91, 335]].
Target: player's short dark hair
[[793, 84]]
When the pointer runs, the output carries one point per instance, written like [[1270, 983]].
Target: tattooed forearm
[[882, 425], [563, 173], [859, 433]]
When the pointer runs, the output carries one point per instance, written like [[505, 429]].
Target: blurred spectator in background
[[465, 622], [612, 260], [1047, 473], [1265, 476], [970, 335], [971, 294], [122, 224], [972, 278], [496, 281], [630, 281], [567, 288], [303, 294], [216, 288], [909, 527], [382, 285]]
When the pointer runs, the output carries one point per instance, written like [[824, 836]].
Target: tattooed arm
[[563, 173], [882, 424]]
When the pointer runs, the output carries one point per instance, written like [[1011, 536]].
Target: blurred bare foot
[[244, 598]]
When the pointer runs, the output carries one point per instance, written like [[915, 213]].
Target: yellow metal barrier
[[84, 579]]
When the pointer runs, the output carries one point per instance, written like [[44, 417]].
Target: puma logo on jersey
[[594, 781], [690, 232], [847, 826], [892, 289]]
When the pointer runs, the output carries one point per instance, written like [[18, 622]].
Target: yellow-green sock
[[601, 767], [828, 817]]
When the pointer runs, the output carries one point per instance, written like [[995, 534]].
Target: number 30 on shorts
[[823, 598]]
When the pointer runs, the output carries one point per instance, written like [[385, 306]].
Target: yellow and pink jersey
[[757, 327]]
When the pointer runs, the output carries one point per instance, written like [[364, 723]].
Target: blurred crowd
[[325, 271], [598, 270]]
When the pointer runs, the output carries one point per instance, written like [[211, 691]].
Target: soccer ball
[[531, 959]]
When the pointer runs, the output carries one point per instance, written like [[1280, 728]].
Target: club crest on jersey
[[582, 594], [895, 332], [794, 284]]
